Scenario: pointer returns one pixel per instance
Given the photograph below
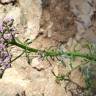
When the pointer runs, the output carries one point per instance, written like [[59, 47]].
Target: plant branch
[[51, 53]]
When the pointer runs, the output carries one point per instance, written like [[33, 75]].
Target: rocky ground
[[59, 24]]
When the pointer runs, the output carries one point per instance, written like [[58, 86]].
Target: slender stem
[[23, 46], [54, 53], [17, 57]]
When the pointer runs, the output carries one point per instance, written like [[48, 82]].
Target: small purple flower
[[5, 54], [7, 36], [8, 65], [8, 18], [7, 59], [8, 33], [8, 21], [1, 40], [2, 46], [0, 61], [1, 26]]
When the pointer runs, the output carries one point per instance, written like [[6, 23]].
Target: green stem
[[17, 57], [23, 46], [54, 53]]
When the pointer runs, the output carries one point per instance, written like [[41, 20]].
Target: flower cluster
[[7, 33]]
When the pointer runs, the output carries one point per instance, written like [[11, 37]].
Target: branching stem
[[53, 53]]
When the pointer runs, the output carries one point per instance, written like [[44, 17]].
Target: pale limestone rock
[[2, 14], [12, 76], [39, 64], [80, 79], [9, 89], [35, 62], [83, 11], [12, 83], [7, 1], [55, 70], [22, 78], [53, 89], [33, 82], [32, 11], [15, 13]]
